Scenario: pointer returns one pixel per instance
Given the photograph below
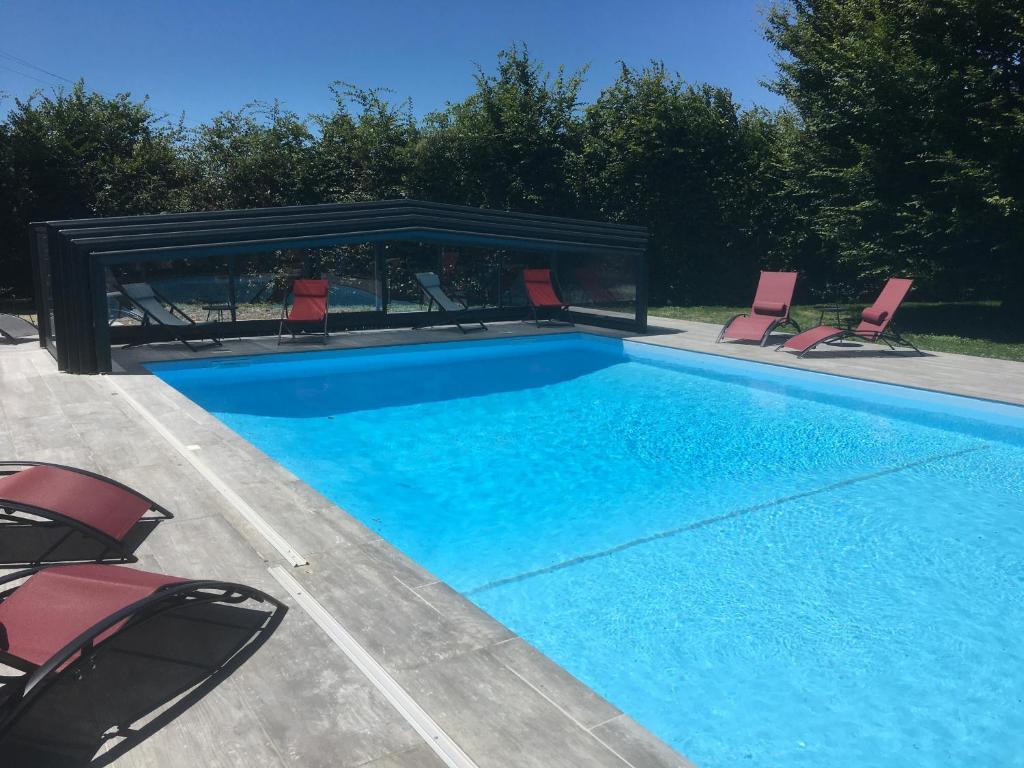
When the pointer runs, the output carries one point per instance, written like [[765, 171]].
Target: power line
[[25, 74], [33, 66], [25, 62]]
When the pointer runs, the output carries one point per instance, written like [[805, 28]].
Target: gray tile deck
[[991, 379], [299, 700]]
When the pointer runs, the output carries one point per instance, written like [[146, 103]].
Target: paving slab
[[499, 719]]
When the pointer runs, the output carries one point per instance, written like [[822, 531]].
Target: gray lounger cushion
[[142, 294], [13, 328], [432, 287]]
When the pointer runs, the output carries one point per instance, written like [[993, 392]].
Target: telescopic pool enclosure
[[229, 270]]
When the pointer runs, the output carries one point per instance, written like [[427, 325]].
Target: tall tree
[[76, 153], [513, 143], [912, 150], [682, 160], [259, 156], [371, 152]]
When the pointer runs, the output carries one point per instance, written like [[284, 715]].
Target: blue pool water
[[763, 566]]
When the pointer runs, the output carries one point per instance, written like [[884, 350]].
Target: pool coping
[[567, 706], [834, 374], [575, 694], [604, 735]]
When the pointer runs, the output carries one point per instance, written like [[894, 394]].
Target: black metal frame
[[27, 688], [780, 323], [74, 254], [10, 507], [285, 321]]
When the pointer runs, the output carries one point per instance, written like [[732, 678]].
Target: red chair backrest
[[309, 300], [774, 294], [539, 289], [877, 317]]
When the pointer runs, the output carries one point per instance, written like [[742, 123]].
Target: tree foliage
[[685, 161], [512, 144], [77, 154], [911, 149], [902, 152]]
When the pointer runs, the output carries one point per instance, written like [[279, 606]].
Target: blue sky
[[204, 57]]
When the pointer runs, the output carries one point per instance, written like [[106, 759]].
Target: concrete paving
[[300, 700], [992, 379]]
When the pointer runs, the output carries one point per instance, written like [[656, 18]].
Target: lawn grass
[[966, 328]]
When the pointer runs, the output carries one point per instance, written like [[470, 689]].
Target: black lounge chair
[[454, 312], [14, 329], [151, 305], [52, 495], [56, 621]]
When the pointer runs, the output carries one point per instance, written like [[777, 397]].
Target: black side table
[[220, 309], [839, 311]]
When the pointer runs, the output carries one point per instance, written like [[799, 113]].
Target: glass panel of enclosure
[[253, 286], [597, 282]]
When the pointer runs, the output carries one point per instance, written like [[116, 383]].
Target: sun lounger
[[36, 493], [772, 302], [59, 618], [454, 312], [875, 323], [159, 310], [14, 329], [540, 291], [308, 311]]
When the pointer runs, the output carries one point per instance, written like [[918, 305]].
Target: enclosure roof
[[162, 236]]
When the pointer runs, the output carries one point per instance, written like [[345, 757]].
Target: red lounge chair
[[309, 308], [541, 294], [772, 303], [875, 323], [36, 493], [54, 622]]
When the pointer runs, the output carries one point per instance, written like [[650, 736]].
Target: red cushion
[[89, 500], [874, 316], [771, 308], [57, 604]]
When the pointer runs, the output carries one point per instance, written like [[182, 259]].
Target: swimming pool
[[763, 566]]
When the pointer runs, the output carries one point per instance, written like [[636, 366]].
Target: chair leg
[[902, 341]]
